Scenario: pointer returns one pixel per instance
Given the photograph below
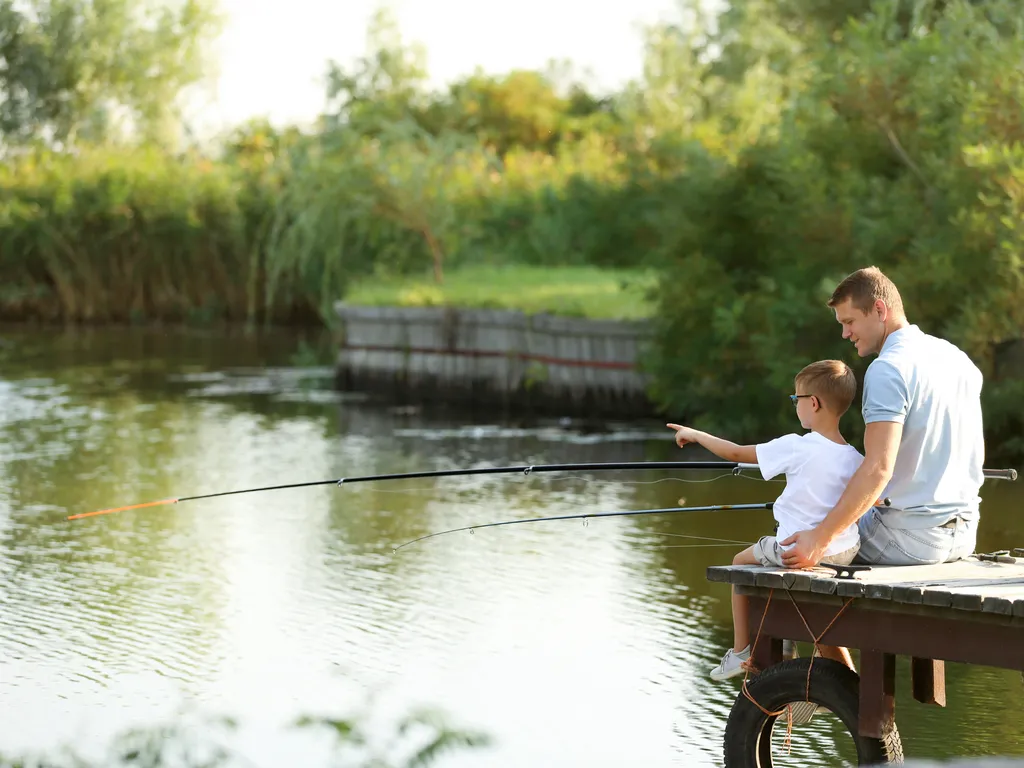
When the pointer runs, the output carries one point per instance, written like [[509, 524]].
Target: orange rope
[[815, 640], [749, 666], [122, 509]]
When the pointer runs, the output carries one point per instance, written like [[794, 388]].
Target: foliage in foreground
[[418, 740]]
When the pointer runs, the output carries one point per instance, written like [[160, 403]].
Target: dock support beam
[[928, 680], [877, 694]]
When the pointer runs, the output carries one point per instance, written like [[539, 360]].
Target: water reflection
[[570, 644]]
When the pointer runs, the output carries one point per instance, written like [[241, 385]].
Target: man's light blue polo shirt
[[934, 390]]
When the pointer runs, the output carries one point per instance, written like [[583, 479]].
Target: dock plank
[[823, 586], [997, 605], [939, 597], [966, 585], [797, 581], [909, 594], [878, 591], [991, 596], [850, 588], [771, 579]]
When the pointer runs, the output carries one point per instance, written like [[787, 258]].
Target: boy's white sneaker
[[731, 664], [803, 711]]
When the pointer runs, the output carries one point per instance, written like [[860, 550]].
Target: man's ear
[[881, 309], [816, 403]]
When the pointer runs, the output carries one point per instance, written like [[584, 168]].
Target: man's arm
[[881, 443], [723, 449]]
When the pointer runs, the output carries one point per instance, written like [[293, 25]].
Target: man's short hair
[[864, 287], [832, 381]]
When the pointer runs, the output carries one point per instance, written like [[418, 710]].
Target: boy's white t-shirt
[[817, 471]]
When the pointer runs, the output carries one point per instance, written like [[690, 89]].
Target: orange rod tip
[[122, 509]]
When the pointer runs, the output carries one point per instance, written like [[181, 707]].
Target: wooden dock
[[970, 611]]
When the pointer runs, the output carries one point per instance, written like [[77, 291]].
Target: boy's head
[[831, 382]]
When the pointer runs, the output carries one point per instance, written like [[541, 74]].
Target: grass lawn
[[577, 291]]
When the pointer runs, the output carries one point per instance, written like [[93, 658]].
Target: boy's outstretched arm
[[723, 449]]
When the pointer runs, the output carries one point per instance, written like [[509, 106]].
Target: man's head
[[827, 385], [869, 308]]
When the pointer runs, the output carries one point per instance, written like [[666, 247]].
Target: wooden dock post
[[928, 680]]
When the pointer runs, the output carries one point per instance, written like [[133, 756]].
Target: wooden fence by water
[[494, 357]]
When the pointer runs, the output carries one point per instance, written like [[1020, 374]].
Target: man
[[923, 442]]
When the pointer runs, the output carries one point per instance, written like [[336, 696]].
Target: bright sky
[[273, 53]]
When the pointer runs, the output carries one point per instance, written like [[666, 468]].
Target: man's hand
[[684, 435], [807, 550]]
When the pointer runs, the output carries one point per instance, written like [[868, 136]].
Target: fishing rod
[[525, 470], [587, 515], [733, 466]]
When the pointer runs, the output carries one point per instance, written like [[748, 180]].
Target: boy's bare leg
[[837, 653], [740, 623]]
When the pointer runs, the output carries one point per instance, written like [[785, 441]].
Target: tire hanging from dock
[[832, 685]]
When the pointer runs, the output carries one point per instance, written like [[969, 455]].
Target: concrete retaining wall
[[541, 362]]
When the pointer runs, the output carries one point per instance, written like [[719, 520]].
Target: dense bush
[[902, 152]]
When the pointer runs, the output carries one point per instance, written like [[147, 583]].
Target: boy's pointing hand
[[684, 435]]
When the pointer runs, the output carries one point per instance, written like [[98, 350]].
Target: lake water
[[569, 645]]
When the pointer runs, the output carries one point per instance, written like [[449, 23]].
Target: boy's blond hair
[[832, 382], [864, 287]]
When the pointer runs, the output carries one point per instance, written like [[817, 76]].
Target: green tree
[[92, 70], [384, 86], [520, 109]]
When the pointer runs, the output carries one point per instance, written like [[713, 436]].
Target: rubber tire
[[833, 685]]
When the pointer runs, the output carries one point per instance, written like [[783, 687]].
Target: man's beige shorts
[[768, 553]]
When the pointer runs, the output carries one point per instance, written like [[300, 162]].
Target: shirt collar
[[892, 338]]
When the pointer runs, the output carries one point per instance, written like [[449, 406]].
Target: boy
[[817, 465]]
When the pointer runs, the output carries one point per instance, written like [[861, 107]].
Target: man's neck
[[891, 326], [897, 324]]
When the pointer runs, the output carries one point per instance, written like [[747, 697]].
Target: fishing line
[[577, 479], [705, 538], [692, 546], [590, 481], [758, 479], [586, 517], [595, 481]]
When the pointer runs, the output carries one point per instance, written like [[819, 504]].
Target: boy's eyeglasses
[[796, 398]]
